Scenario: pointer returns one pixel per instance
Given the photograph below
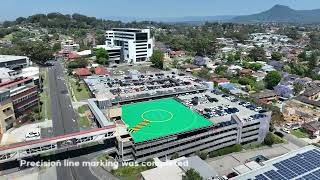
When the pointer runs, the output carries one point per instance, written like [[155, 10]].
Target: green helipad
[[155, 119]]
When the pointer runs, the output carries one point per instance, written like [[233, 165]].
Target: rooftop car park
[[219, 107], [142, 86]]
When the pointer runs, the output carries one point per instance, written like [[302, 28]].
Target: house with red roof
[[100, 71], [73, 55], [82, 72]]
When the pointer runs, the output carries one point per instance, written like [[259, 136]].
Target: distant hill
[[283, 14], [186, 19]]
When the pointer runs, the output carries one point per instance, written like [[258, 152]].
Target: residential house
[[100, 71], [246, 72], [312, 93], [312, 128], [266, 96], [82, 72]]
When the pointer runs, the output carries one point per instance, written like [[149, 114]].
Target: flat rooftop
[[130, 87], [155, 119], [243, 111], [303, 163], [6, 58]]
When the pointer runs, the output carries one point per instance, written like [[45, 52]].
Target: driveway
[[16, 135]]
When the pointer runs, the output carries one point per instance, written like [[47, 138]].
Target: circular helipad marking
[[169, 114]]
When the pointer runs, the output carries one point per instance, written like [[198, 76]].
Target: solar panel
[[261, 177], [274, 175], [293, 167], [312, 157], [317, 151], [310, 177], [285, 172], [317, 173], [303, 162]]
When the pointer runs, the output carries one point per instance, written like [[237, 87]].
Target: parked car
[[257, 109], [32, 135], [279, 134], [313, 137], [286, 130]]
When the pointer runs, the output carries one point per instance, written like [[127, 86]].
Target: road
[[63, 116], [64, 121], [293, 139]]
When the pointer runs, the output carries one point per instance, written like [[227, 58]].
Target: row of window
[[16, 101]]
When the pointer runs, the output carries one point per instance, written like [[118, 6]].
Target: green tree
[[202, 154], [276, 56], [257, 54], [272, 79], [302, 56], [204, 73], [79, 63], [56, 47], [269, 139], [174, 156], [157, 59], [220, 70], [191, 174], [38, 52], [297, 88], [102, 56]]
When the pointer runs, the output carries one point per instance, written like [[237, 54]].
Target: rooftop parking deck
[[222, 107], [142, 85]]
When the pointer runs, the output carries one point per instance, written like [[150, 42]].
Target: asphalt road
[[293, 139], [64, 121], [63, 116]]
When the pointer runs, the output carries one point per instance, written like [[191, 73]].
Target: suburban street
[[63, 117], [64, 121]]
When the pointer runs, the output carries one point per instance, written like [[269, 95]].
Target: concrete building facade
[[136, 44], [7, 117]]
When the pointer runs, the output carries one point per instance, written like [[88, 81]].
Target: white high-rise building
[[136, 44]]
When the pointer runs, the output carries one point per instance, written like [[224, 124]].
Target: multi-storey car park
[[157, 115]]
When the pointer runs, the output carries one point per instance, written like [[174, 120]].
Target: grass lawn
[[8, 37], [85, 122], [81, 92], [277, 139], [299, 133], [103, 157], [83, 109], [129, 172], [44, 96]]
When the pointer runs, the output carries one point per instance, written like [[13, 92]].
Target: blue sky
[[10, 9]]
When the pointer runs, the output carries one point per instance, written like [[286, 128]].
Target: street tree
[[272, 79], [102, 56], [191, 174], [157, 59]]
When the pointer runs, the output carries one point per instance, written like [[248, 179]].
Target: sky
[[11, 9]]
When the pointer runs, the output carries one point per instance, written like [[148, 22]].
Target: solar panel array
[[306, 164]]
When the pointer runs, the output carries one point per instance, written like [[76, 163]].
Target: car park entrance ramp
[[159, 118]]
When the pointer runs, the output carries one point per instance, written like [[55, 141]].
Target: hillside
[[284, 14]]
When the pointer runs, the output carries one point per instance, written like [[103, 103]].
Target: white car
[[286, 130], [32, 135], [258, 109], [246, 104]]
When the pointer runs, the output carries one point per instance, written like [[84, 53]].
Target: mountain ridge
[[282, 14]]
